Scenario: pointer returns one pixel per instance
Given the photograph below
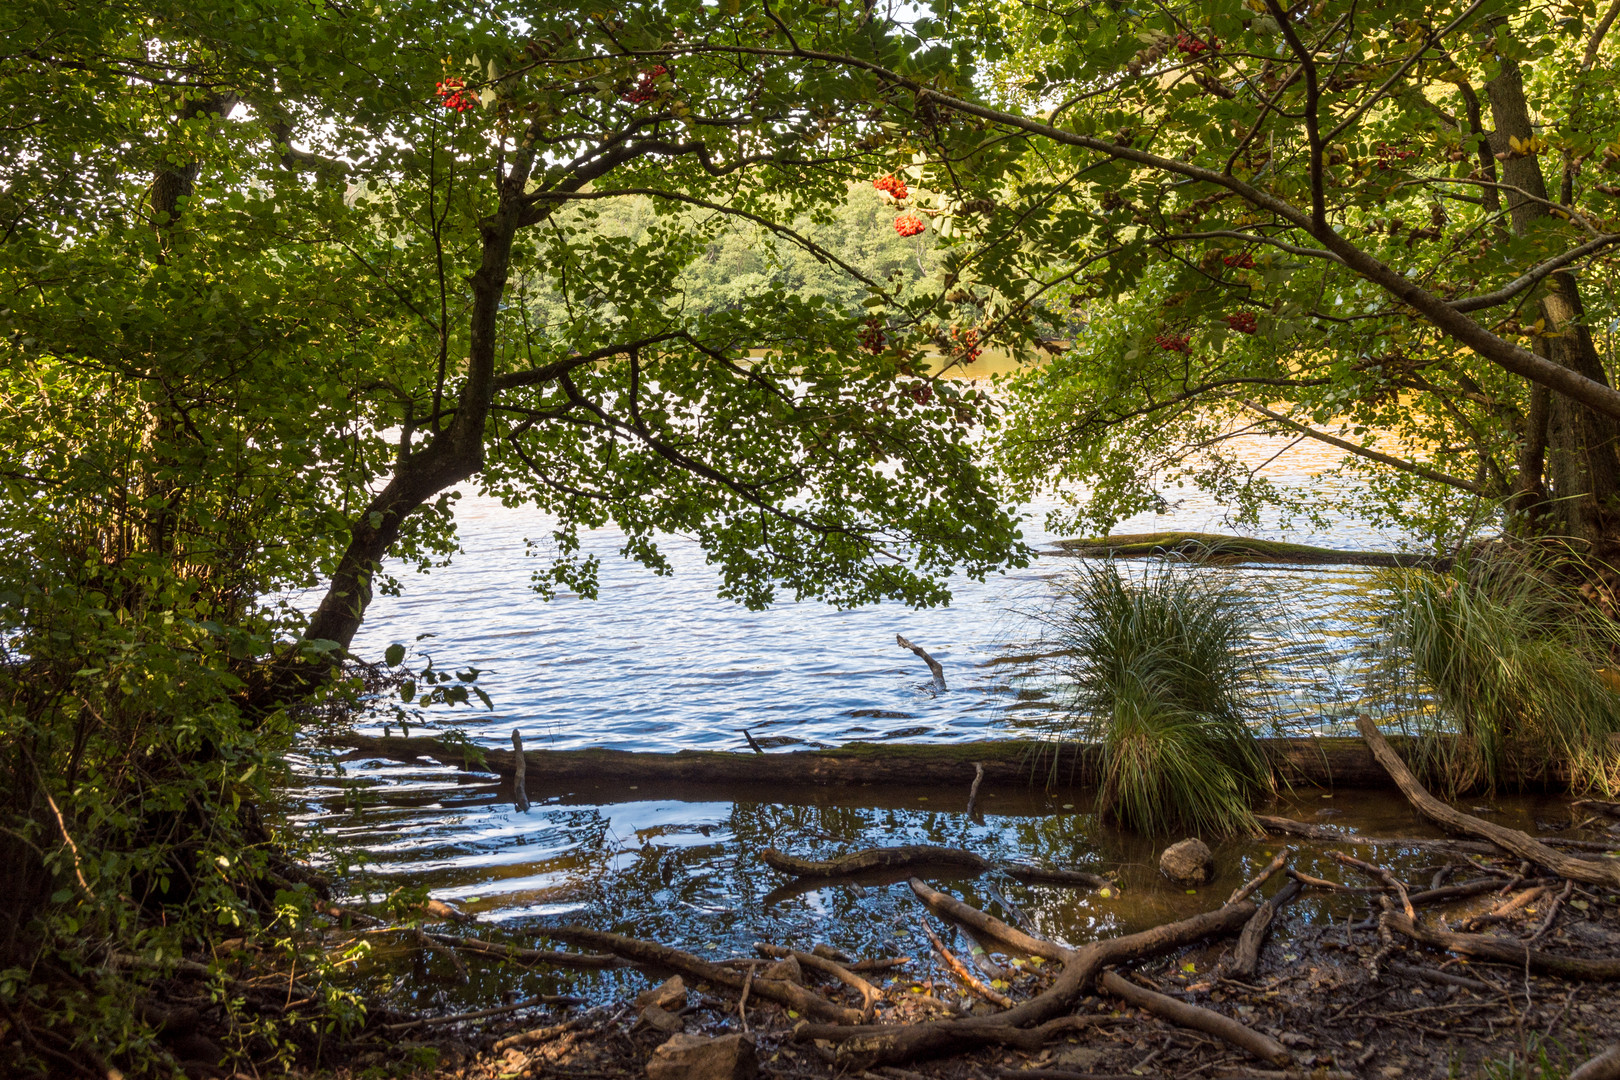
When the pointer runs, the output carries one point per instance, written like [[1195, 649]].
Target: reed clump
[[1505, 671], [1169, 678]]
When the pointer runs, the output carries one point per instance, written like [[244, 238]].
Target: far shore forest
[[283, 280]]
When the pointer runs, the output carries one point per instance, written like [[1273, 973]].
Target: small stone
[[662, 1020], [1189, 862], [696, 1057], [668, 995]]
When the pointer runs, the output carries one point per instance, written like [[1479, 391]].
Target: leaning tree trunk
[[1582, 460]]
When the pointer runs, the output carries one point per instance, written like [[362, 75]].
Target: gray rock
[[1188, 862], [669, 994], [696, 1057]]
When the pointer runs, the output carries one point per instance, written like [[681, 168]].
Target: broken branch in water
[[861, 862], [987, 926], [876, 860], [933, 665], [1599, 871], [1380, 875], [520, 795], [1197, 1018], [1243, 892], [973, 792]]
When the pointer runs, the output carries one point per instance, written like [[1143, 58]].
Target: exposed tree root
[[1245, 956], [1598, 871], [1504, 951], [1197, 1018], [870, 995], [684, 963], [867, 1046]]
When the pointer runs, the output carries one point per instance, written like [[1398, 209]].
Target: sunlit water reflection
[[657, 663]]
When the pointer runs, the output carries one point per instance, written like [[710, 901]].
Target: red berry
[[892, 184], [1181, 343], [1244, 322], [1243, 261], [909, 225]]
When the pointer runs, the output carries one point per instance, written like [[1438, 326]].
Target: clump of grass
[[1505, 670], [1168, 679]]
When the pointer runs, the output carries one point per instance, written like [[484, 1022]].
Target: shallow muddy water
[[680, 865]]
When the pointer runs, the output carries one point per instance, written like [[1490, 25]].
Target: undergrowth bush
[[1170, 678], [1504, 670], [131, 783]]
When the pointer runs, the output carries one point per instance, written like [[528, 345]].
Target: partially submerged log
[[1221, 549], [1327, 762], [897, 863]]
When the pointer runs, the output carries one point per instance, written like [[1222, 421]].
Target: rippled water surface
[[658, 663]]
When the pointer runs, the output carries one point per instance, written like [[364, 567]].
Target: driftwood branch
[[1244, 891], [1600, 871], [526, 957], [1196, 1018], [933, 665]]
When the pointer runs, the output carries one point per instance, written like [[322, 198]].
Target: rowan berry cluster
[[922, 393], [872, 337], [1193, 46], [1171, 342], [1244, 322], [893, 185], [1242, 261], [646, 89], [909, 225], [1388, 155], [453, 94], [965, 343]]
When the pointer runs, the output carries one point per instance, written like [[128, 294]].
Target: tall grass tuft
[[1504, 669], [1168, 678]]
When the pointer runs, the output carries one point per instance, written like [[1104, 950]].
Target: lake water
[[658, 663]]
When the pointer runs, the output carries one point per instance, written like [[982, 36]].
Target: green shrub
[[1169, 677], [1501, 666]]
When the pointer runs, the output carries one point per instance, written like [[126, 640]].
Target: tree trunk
[[452, 455], [1582, 463]]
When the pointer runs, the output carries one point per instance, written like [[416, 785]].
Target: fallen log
[[1504, 951], [1306, 831], [1326, 762], [1196, 1018], [886, 1044], [1219, 549], [652, 954], [1598, 871]]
